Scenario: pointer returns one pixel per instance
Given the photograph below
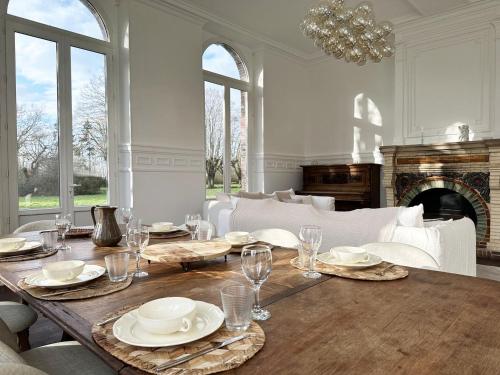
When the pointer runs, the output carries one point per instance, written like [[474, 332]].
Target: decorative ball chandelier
[[348, 33]]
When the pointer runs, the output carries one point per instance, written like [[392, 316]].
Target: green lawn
[[219, 188], [53, 201]]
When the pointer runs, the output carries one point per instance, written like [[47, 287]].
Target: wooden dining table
[[428, 323]]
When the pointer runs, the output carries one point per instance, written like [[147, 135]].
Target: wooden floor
[[45, 332]]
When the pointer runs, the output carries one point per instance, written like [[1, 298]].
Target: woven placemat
[[146, 359], [393, 273], [37, 254], [99, 287], [167, 236]]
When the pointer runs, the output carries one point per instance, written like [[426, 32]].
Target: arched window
[[226, 120], [57, 63], [72, 15]]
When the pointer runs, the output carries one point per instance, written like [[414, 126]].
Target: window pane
[[214, 138], [37, 122], [239, 176], [72, 15], [217, 59], [90, 127]]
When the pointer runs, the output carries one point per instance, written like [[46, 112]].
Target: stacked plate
[[167, 322], [17, 246], [349, 257], [65, 274]]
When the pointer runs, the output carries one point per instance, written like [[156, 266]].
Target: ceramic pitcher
[[106, 230]]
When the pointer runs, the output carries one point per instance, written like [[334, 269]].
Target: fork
[[68, 291]]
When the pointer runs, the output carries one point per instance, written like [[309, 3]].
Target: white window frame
[[64, 40], [230, 83]]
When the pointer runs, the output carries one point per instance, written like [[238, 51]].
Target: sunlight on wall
[[367, 111], [356, 157], [365, 108]]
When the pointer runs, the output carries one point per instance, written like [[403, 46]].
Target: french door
[[57, 123]]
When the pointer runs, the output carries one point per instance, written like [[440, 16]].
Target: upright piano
[[352, 185]]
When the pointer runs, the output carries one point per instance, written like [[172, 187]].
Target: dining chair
[[277, 237], [402, 254], [18, 318], [36, 226], [56, 359]]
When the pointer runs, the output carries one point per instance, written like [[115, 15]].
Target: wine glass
[[137, 238], [63, 225], [257, 263], [192, 222], [126, 213], [310, 240]]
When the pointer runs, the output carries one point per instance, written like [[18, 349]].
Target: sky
[[216, 59], [36, 59]]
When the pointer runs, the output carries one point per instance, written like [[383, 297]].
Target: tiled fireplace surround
[[469, 168]]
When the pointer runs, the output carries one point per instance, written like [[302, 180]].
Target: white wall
[[166, 96], [447, 74], [286, 92], [351, 111]]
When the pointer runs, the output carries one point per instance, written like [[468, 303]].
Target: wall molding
[[154, 158]]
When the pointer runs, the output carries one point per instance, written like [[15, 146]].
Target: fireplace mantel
[[470, 168]]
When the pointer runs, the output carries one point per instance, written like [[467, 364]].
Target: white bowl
[[12, 243], [350, 254], [161, 226], [167, 315], [63, 271], [238, 237]]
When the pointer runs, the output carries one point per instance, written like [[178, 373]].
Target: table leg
[[225, 258], [185, 266]]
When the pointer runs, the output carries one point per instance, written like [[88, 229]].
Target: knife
[[189, 357]]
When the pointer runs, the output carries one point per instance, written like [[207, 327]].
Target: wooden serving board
[[186, 251], [370, 274]]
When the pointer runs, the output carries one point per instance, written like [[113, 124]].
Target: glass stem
[[312, 260], [193, 235], [137, 260], [63, 238], [256, 290]]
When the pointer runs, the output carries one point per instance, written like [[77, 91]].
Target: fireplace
[[451, 180], [442, 203]]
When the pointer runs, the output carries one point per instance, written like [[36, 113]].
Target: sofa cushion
[[250, 195], [411, 216], [284, 194]]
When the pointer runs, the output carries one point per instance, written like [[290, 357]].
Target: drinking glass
[[126, 213], [257, 263], [310, 241], [137, 239], [192, 222], [49, 239], [117, 266], [63, 225], [237, 301], [204, 231]]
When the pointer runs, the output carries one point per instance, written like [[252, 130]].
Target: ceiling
[[278, 20]]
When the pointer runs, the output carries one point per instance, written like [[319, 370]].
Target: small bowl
[[63, 271], [167, 315], [11, 244], [237, 237], [162, 226]]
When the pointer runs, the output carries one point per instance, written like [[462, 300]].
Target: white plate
[[250, 241], [208, 320], [173, 229], [90, 272], [329, 259], [28, 247]]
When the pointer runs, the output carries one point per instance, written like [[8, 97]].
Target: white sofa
[[451, 243]]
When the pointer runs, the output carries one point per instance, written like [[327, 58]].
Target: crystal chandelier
[[348, 33]]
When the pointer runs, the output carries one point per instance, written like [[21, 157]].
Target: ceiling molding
[[415, 7], [171, 8], [210, 17]]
